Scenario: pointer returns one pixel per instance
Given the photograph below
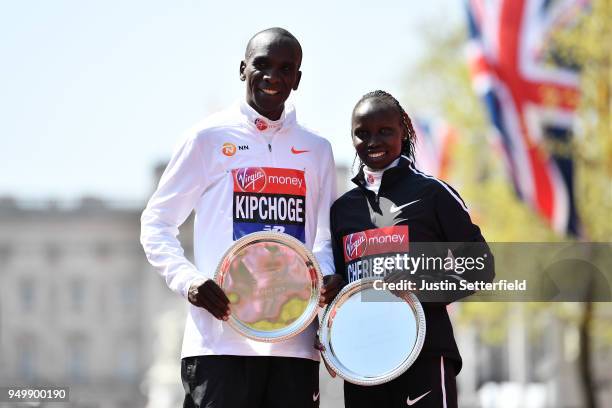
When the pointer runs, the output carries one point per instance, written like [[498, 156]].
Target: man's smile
[[269, 91]]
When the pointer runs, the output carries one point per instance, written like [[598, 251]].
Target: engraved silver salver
[[370, 336], [273, 283]]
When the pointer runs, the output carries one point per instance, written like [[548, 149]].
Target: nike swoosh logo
[[410, 402], [315, 396], [295, 151], [395, 209]]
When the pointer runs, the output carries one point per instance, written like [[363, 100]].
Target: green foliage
[[591, 40], [441, 85]]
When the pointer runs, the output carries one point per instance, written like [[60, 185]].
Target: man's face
[[271, 70]]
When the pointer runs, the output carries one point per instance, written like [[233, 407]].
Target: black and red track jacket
[[411, 208]]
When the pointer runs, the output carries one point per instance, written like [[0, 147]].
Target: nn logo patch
[[228, 149]]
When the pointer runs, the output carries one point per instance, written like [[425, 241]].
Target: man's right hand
[[210, 296]]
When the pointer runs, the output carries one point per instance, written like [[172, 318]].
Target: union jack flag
[[435, 140], [531, 95]]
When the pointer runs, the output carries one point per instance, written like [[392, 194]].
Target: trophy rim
[[347, 292], [311, 311]]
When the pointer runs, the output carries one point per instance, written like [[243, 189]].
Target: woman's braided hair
[[409, 138]]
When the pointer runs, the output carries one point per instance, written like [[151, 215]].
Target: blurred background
[[511, 101]]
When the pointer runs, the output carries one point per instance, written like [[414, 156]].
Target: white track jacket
[[240, 173]]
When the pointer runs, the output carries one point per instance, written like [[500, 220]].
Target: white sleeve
[[179, 189], [322, 248]]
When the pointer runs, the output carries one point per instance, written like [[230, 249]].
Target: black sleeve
[[463, 241], [336, 239], [454, 219]]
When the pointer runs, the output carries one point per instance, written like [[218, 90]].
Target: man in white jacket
[[232, 170]]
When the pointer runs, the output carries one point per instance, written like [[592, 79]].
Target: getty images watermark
[[449, 285], [493, 272], [407, 266]]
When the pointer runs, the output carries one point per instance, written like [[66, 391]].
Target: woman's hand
[[319, 346], [331, 286]]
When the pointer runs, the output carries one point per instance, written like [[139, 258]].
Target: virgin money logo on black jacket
[[355, 245], [365, 248], [376, 241]]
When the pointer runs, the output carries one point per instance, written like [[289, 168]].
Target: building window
[[52, 253], [6, 251], [127, 368], [26, 294], [26, 360], [77, 361], [103, 250], [77, 295], [128, 295]]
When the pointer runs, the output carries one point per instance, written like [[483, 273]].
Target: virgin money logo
[[251, 179], [261, 124], [376, 241], [355, 245]]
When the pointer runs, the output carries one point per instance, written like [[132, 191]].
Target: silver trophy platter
[[273, 283], [371, 336]]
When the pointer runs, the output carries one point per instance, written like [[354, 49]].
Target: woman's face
[[377, 133]]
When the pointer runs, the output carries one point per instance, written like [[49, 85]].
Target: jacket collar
[[390, 175], [260, 124]]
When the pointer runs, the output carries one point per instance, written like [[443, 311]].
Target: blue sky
[[95, 93]]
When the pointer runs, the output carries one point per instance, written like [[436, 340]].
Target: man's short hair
[[275, 31]]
